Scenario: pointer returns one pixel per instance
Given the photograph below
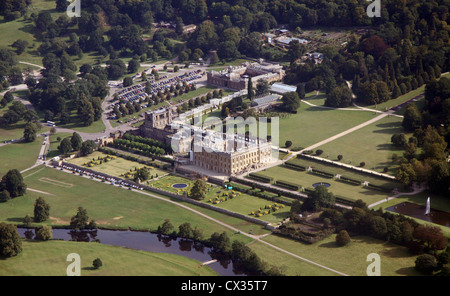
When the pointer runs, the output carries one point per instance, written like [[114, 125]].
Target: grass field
[[370, 144], [313, 124], [49, 259], [54, 143], [110, 206], [350, 259], [115, 167], [19, 155]]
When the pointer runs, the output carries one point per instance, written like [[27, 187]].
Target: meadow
[[48, 258], [370, 144]]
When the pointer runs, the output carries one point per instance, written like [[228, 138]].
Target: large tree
[[12, 182], [41, 210], [10, 240], [291, 102], [76, 141], [199, 190]]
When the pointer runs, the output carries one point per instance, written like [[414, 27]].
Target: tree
[[41, 210], [339, 97], [133, 66], [399, 140], [431, 237], [290, 102], [127, 81], [80, 220], [65, 146], [220, 241], [342, 238], [30, 131], [185, 230], [426, 264], [10, 240], [44, 233], [262, 87], [166, 228], [199, 190], [288, 144], [319, 198], [12, 182], [4, 196], [97, 263], [250, 93], [20, 46], [76, 141], [301, 91], [142, 174], [412, 119], [88, 147], [30, 115]]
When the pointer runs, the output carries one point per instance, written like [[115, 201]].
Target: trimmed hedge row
[[349, 181], [288, 185], [294, 166], [344, 200], [261, 178], [290, 194], [380, 188], [322, 173]]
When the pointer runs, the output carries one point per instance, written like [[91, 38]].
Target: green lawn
[[19, 155], [303, 161], [245, 204], [77, 125], [370, 144], [167, 181], [110, 206], [54, 143], [313, 124], [350, 259], [338, 188], [115, 167], [49, 259]]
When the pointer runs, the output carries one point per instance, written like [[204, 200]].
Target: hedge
[[380, 188], [287, 185], [344, 200], [322, 173], [294, 166], [261, 178], [349, 180]]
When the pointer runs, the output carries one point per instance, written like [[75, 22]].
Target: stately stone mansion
[[223, 153], [238, 77]]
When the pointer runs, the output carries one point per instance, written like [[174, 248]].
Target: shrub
[[339, 157], [288, 144], [319, 152], [97, 263], [342, 238], [362, 164], [426, 264]]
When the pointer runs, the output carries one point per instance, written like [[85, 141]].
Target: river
[[147, 241]]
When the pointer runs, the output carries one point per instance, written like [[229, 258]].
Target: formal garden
[[116, 166]]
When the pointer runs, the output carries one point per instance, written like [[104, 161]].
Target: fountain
[[427, 209]]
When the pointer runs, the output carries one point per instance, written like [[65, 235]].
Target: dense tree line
[[426, 151]]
